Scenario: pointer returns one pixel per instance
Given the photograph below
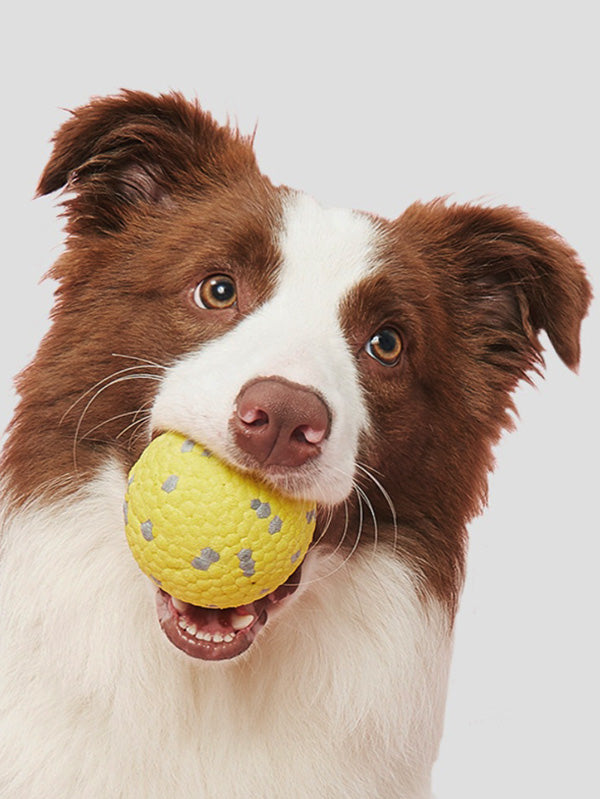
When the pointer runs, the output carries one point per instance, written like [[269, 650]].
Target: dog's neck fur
[[87, 660]]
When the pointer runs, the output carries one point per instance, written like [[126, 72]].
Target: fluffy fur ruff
[[92, 689]]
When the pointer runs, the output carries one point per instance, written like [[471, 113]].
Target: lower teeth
[[216, 638]]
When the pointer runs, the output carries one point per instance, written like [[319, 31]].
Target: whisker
[[346, 522], [387, 498], [326, 526], [141, 422], [139, 360], [360, 492], [116, 381], [140, 433], [144, 414], [340, 543], [107, 421], [347, 557], [98, 384], [363, 501], [361, 519]]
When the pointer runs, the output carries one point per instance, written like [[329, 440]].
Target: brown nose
[[279, 423]]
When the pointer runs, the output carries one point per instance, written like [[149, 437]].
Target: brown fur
[[469, 288], [161, 196]]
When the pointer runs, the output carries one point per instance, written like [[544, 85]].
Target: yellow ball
[[209, 535]]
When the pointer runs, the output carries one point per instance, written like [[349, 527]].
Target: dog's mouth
[[213, 634]]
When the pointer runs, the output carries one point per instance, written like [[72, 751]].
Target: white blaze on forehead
[[296, 335], [325, 250]]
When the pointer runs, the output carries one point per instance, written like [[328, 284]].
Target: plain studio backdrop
[[372, 108]]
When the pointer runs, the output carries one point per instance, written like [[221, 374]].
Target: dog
[[362, 363]]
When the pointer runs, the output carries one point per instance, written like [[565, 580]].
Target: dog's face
[[278, 388], [361, 362]]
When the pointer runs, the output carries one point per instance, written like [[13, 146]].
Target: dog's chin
[[213, 634]]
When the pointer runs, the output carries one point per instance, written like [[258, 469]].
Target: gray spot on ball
[[246, 563], [156, 580], [188, 445], [263, 509], [170, 484], [146, 528], [295, 556], [205, 559], [311, 515], [207, 452], [275, 525]]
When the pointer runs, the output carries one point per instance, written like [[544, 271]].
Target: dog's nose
[[279, 423]]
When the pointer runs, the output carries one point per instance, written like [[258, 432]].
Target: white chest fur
[[342, 697]]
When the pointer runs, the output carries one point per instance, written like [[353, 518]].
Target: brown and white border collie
[[364, 363]]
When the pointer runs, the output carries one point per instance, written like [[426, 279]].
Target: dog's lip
[[291, 481], [169, 618], [297, 482], [176, 617]]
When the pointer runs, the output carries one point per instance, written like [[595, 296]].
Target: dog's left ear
[[516, 276], [133, 150]]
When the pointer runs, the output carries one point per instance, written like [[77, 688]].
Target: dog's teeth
[[200, 635], [179, 605], [241, 622], [183, 624]]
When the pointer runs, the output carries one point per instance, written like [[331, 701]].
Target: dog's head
[[364, 363]]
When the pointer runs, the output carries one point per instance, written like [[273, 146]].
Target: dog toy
[[207, 534]]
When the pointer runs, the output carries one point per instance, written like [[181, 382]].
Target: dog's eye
[[385, 346], [216, 292]]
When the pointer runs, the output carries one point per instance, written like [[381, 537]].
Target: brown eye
[[385, 346], [216, 292]]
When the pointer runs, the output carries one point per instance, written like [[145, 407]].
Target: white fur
[[341, 697], [342, 694], [295, 335]]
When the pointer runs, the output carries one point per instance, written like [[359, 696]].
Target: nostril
[[254, 417], [298, 435], [309, 435]]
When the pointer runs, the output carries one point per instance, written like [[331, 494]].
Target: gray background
[[373, 108]]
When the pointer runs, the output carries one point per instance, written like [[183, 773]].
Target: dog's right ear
[[119, 152]]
